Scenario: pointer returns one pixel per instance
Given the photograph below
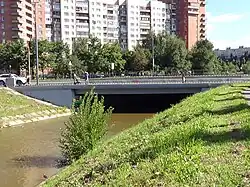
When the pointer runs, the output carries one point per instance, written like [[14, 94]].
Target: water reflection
[[29, 152]]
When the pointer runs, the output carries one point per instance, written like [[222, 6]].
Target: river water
[[28, 152]]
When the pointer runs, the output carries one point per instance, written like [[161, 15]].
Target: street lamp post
[[36, 39], [153, 54], [70, 69], [28, 60], [10, 69]]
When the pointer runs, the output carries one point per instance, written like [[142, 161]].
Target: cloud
[[223, 44], [215, 27], [224, 18]]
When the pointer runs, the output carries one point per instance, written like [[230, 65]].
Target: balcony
[[16, 20], [145, 26], [202, 25], [203, 3], [145, 9], [82, 15], [202, 30], [16, 28], [203, 20], [123, 20], [17, 5], [202, 36], [193, 11]]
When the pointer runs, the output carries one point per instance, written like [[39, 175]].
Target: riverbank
[[17, 109], [202, 141]]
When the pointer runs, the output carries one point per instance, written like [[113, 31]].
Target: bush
[[86, 126]]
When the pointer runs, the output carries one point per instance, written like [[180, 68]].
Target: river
[[29, 151]]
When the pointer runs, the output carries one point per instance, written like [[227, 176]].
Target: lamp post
[[153, 54], [70, 69], [10, 69], [29, 59], [36, 39], [112, 69]]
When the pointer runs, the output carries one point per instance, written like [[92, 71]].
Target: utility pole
[[53, 22], [153, 53], [29, 59], [36, 39]]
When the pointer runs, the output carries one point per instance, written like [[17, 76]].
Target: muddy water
[[28, 152]]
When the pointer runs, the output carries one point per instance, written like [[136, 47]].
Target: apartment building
[[229, 52], [192, 21], [39, 16], [125, 21], [16, 20]]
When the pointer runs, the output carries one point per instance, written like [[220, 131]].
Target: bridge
[[63, 92]]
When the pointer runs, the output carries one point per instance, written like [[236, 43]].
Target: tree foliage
[[87, 125], [13, 54], [204, 60], [89, 54]]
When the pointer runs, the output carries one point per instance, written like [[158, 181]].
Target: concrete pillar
[[11, 82]]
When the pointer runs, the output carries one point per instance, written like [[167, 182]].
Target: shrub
[[86, 126]]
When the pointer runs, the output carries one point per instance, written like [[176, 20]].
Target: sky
[[228, 23]]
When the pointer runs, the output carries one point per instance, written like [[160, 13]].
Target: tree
[[89, 52], [45, 54], [140, 59], [13, 54], [169, 51], [87, 125], [112, 53], [246, 67], [203, 58], [128, 57], [61, 58]]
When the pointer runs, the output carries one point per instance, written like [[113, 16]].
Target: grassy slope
[[11, 105], [203, 141]]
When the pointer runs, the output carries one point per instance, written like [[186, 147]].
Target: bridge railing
[[158, 81], [153, 77]]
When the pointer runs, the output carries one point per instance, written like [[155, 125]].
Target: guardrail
[[151, 77], [138, 82]]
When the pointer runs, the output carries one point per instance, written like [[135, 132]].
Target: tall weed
[[86, 126]]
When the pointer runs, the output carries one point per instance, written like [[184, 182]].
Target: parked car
[[19, 80]]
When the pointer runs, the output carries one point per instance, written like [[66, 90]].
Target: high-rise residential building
[[144, 16], [16, 20], [82, 18], [125, 21], [60, 20], [39, 16], [192, 21]]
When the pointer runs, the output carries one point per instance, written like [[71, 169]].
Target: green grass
[[12, 105], [203, 141]]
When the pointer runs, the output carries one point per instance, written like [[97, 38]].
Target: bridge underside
[[64, 94]]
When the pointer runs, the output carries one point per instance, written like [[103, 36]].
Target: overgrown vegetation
[[87, 125], [203, 141]]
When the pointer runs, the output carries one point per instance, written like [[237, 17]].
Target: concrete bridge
[[62, 94]]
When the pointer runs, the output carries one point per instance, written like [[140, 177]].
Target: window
[[66, 13], [67, 32], [2, 11], [2, 26], [2, 3], [66, 26]]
